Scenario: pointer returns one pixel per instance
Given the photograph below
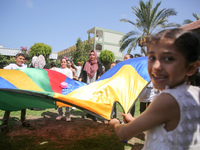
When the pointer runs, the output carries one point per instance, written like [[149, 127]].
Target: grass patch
[[47, 133], [120, 110]]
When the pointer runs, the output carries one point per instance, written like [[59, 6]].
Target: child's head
[[112, 64], [186, 42], [53, 64], [128, 56], [137, 55], [19, 58], [69, 63], [78, 63], [173, 56], [93, 55], [64, 62]]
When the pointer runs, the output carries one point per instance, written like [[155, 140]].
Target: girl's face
[[69, 64], [166, 66], [92, 56], [63, 63]]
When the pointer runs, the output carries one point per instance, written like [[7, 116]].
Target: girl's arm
[[163, 109], [127, 117], [74, 74]]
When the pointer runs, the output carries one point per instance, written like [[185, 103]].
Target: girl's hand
[[114, 121], [127, 117]]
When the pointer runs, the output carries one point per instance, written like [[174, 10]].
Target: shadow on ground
[[79, 134]]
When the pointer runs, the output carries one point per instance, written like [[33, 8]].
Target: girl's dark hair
[[64, 58], [112, 63], [187, 42], [53, 64], [130, 55], [195, 79], [73, 66], [137, 55]]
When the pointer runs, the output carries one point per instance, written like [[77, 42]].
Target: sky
[[59, 23]]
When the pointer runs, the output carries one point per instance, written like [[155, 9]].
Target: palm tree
[[188, 21], [148, 19]]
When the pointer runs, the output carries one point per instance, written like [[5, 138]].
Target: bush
[[106, 57]]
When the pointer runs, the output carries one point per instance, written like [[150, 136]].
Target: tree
[[81, 53], [188, 21], [40, 49], [87, 49], [106, 57], [148, 19], [77, 53], [3, 61]]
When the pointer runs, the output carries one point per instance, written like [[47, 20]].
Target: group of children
[[172, 120], [37, 62]]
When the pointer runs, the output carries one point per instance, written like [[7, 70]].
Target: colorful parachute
[[40, 88]]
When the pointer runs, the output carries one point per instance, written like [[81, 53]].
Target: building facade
[[13, 52], [67, 52], [102, 39], [105, 39]]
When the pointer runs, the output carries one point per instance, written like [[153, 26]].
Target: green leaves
[[148, 18], [40, 49], [3, 59], [106, 57], [81, 53], [188, 21]]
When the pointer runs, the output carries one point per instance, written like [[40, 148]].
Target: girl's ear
[[192, 68]]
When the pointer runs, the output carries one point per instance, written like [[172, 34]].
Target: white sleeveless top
[[187, 134]]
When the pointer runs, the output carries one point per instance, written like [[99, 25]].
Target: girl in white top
[[66, 71], [71, 66], [172, 120]]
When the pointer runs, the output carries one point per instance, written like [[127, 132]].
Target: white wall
[[13, 52], [53, 55], [9, 52], [112, 37], [114, 49]]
